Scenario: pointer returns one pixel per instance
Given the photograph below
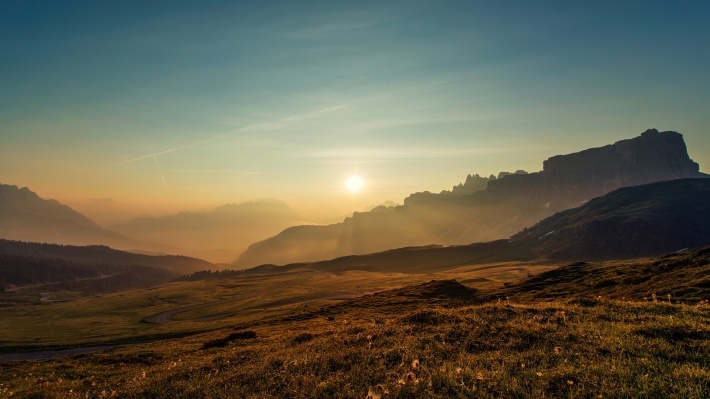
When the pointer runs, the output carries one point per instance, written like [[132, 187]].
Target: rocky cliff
[[569, 180], [508, 204]]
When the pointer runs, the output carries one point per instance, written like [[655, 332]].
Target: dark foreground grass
[[559, 349]]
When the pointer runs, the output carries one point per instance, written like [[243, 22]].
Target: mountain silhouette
[[507, 204], [24, 216], [631, 222], [219, 235], [648, 220]]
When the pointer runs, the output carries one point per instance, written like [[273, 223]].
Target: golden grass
[[125, 316], [611, 349]]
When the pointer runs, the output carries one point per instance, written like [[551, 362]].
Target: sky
[[181, 105]]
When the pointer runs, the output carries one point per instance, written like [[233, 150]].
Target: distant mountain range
[[486, 209], [632, 222], [24, 216], [218, 235]]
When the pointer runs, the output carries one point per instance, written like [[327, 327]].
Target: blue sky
[[187, 104]]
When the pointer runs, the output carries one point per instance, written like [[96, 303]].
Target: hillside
[[98, 254], [423, 259], [506, 206], [640, 221], [685, 277], [61, 275]]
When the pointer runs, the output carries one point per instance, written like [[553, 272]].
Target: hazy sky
[[183, 104]]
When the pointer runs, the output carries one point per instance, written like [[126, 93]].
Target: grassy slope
[[684, 276], [551, 342], [631, 222], [613, 349], [121, 316]]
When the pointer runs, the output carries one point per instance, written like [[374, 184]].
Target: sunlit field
[[501, 349], [129, 316]]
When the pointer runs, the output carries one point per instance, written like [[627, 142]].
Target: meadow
[[608, 349], [536, 331], [128, 316]]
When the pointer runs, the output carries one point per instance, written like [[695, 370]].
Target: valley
[[131, 315]]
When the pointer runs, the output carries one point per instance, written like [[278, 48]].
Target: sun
[[354, 184]]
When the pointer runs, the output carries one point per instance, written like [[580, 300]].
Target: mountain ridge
[[681, 207], [505, 207], [25, 216]]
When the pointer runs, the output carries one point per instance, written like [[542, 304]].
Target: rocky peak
[[566, 180]]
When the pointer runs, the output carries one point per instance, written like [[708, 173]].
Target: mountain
[[473, 184], [628, 223], [507, 204], [631, 222], [24, 216], [99, 254], [219, 235]]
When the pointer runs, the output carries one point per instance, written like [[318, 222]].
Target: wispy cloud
[[256, 127], [263, 126]]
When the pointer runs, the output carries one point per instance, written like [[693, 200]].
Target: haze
[[127, 108]]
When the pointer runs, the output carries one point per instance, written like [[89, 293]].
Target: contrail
[[253, 127], [219, 136], [162, 176]]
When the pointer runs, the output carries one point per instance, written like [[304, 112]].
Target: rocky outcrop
[[506, 206], [568, 180]]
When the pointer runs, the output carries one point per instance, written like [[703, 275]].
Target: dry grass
[[551, 349], [550, 336]]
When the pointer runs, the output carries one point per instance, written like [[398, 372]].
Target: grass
[[547, 336], [611, 349], [125, 316]]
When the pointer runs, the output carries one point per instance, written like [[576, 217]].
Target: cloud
[[264, 126]]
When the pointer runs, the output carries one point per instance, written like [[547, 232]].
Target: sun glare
[[354, 184]]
